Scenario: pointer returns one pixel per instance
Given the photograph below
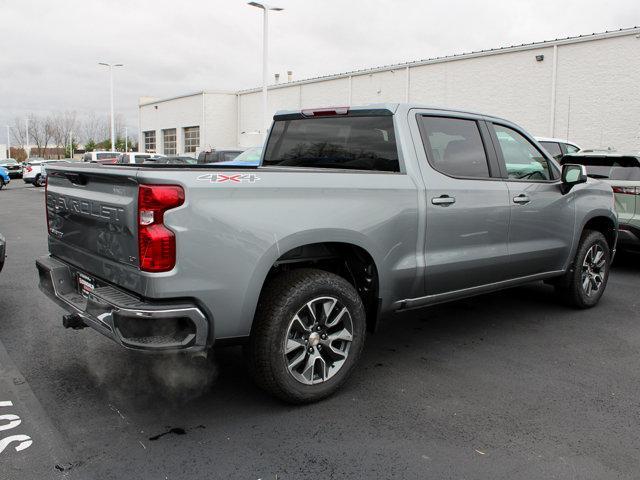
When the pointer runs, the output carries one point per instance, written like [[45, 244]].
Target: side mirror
[[573, 174]]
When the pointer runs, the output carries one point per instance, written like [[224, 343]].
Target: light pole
[[126, 149], [70, 144], [113, 134], [265, 67], [8, 142], [27, 150]]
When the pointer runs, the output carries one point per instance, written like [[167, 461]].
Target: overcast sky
[[50, 49]]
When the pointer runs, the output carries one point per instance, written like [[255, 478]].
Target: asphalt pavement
[[511, 385]]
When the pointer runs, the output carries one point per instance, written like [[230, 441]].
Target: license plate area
[[86, 284]]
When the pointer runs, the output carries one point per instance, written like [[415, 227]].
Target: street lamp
[[8, 142], [265, 68], [113, 134]]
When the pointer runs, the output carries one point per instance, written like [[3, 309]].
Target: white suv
[[99, 155], [32, 172], [136, 157]]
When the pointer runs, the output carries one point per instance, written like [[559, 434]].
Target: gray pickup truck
[[353, 214]]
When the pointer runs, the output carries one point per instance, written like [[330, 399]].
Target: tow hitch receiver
[[73, 320]]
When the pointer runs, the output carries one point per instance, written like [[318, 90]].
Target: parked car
[[135, 157], [248, 158], [3, 251], [5, 178], [354, 214], [13, 167], [622, 172], [219, 155], [33, 172], [557, 147], [100, 157]]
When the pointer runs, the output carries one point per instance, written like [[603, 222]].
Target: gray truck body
[[230, 234]]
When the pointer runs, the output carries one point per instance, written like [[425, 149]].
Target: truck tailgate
[[93, 210]]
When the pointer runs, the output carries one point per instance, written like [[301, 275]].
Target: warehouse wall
[[603, 81], [220, 121], [599, 78], [177, 113], [602, 77]]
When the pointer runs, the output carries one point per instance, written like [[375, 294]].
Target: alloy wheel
[[318, 340], [593, 270]]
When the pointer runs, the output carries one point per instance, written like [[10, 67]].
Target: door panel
[[541, 230], [542, 219], [467, 205], [466, 243]]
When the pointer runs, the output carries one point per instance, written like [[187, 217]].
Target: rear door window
[[571, 148], [348, 142], [454, 147], [522, 159]]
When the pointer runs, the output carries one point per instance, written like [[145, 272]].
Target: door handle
[[521, 199], [443, 200]]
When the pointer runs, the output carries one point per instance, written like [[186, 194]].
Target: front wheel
[[586, 280], [1, 183], [308, 335]]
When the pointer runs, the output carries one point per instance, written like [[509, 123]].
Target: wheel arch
[[322, 249], [605, 224]]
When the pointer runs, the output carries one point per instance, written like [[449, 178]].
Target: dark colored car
[[13, 167], [219, 155]]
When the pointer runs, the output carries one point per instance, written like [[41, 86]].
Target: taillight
[[28, 168], [627, 190], [325, 112], [156, 243]]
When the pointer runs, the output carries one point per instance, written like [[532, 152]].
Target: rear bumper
[[133, 323], [29, 179]]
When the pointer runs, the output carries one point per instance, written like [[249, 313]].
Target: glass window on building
[[191, 139], [150, 141], [169, 141]]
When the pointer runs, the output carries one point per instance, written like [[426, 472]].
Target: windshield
[[251, 155], [9, 161], [359, 143], [613, 167]]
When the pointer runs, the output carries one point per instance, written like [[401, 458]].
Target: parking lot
[[511, 385]]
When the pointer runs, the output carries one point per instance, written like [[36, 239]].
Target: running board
[[411, 303]]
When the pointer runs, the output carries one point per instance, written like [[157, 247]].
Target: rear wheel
[[584, 284], [38, 181], [308, 335]]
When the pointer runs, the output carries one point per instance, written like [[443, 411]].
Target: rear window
[[103, 156], [358, 143], [616, 168]]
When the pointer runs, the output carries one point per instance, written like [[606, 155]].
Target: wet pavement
[[511, 385]]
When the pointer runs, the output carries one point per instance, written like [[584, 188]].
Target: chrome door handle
[[443, 200], [522, 198]]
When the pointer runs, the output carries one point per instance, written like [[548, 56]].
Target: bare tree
[[63, 125], [19, 131], [94, 128], [41, 132]]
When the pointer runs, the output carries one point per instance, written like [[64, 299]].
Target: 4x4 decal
[[231, 177]]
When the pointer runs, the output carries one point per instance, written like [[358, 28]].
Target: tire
[[37, 181], [322, 349], [585, 282], [1, 184]]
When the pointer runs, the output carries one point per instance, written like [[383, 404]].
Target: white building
[[585, 89]]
